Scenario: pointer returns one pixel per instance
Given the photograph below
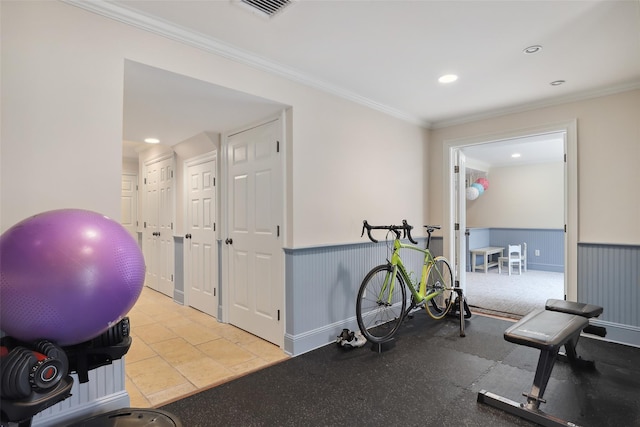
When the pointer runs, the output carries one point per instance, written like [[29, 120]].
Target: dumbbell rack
[[83, 357]]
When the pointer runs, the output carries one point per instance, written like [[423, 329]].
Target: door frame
[[136, 220], [194, 161], [570, 191], [223, 286]]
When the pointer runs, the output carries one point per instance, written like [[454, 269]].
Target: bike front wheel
[[381, 304], [440, 281]]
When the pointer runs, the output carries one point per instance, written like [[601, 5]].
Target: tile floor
[[177, 351]]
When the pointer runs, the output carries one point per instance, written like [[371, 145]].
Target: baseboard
[[298, 344], [108, 403], [545, 267], [178, 296], [618, 333]]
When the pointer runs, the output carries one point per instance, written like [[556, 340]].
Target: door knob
[[229, 241], [188, 236]]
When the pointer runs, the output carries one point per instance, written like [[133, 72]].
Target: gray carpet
[[512, 296]]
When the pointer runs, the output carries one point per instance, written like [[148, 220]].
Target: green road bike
[[383, 302]]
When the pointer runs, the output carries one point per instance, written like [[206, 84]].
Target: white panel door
[[201, 258], [129, 204], [151, 226], [165, 227], [255, 212]]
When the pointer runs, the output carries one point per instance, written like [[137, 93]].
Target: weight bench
[[547, 330]]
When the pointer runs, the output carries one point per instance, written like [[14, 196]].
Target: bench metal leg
[[543, 372], [531, 410], [518, 409]]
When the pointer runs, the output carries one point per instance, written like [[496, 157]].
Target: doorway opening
[[528, 200]]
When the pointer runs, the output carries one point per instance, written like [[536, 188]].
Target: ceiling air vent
[[267, 8]]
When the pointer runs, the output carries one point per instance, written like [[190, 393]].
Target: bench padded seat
[[571, 307], [546, 330]]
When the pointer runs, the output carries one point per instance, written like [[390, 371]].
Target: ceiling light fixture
[[532, 49], [448, 78], [515, 155], [557, 82], [152, 140]]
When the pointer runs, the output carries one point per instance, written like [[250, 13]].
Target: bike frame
[[419, 295]]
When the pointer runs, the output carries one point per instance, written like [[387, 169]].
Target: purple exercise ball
[[67, 276]]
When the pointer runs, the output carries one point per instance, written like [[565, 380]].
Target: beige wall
[[62, 99], [608, 155], [525, 196]]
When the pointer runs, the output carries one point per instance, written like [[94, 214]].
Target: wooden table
[[486, 255]]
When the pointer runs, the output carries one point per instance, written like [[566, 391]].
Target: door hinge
[[171, 174], [145, 224], [172, 277], [565, 228], [145, 180], [136, 187], [277, 231], [456, 169], [278, 315], [136, 223], [214, 292], [277, 146], [565, 158], [214, 181], [172, 226], [456, 226], [214, 226]]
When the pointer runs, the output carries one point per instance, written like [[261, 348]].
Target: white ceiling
[[387, 54], [547, 148]]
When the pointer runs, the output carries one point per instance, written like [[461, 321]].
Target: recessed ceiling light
[[448, 78], [532, 49], [557, 82], [515, 155], [152, 140]]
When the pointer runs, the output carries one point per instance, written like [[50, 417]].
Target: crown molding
[[579, 96], [177, 33]]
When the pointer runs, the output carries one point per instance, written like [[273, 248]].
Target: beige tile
[[265, 350], [181, 320], [136, 398], [170, 394], [154, 375], [236, 335], [195, 333], [205, 372], [138, 318], [203, 319], [139, 350], [225, 352], [249, 366], [177, 351], [154, 333]]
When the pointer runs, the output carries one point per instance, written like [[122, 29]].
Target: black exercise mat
[[429, 376]]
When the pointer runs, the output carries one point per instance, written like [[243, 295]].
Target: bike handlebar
[[405, 228]]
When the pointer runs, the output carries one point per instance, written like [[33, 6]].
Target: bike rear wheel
[[440, 280], [381, 304]]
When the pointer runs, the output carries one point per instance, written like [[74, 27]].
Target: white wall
[[62, 89], [608, 153], [525, 196]]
